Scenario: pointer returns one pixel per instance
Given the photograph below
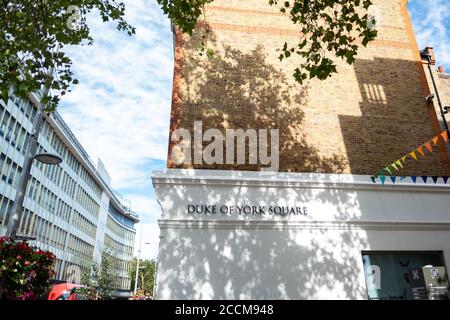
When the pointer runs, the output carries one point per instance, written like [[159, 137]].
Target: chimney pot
[[429, 51]]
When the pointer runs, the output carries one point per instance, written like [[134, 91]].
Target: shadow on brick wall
[[241, 90], [395, 119]]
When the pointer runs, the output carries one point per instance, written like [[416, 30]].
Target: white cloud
[[149, 242], [431, 24], [120, 110]]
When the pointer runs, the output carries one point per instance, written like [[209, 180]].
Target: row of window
[[80, 248], [59, 147], [41, 229], [119, 230], [82, 223], [116, 246], [48, 200], [86, 201], [9, 171], [119, 264], [5, 210], [86, 177], [28, 109], [68, 185], [12, 131], [121, 283]]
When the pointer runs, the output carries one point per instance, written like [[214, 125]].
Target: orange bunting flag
[[420, 150], [399, 163], [444, 135], [436, 139], [428, 146], [413, 154]]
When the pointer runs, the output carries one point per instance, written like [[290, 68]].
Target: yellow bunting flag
[[444, 136], [394, 166], [413, 154], [428, 146], [404, 158], [399, 163], [436, 139], [420, 150]]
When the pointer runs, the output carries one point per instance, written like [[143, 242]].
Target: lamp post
[[138, 261], [30, 154], [47, 158]]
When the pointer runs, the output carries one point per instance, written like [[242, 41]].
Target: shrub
[[24, 270]]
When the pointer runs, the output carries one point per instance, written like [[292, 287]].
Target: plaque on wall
[[417, 282], [436, 282]]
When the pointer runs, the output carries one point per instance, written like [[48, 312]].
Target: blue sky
[[120, 110]]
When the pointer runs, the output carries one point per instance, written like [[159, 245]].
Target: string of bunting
[[399, 164]]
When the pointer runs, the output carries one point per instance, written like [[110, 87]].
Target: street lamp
[[46, 158], [137, 264]]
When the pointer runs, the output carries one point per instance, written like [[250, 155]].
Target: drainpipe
[[429, 58]]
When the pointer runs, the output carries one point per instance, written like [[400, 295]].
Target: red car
[[64, 291]]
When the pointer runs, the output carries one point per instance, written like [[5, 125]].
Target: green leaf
[[5, 95]]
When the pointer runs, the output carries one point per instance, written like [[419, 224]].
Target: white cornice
[[286, 179]]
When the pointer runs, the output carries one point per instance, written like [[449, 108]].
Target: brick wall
[[360, 120]]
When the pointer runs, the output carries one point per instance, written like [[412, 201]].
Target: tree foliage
[[33, 34], [146, 276], [330, 29], [98, 279]]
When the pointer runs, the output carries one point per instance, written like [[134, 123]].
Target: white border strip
[[284, 179], [283, 225]]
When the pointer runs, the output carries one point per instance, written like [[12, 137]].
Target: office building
[[70, 209]]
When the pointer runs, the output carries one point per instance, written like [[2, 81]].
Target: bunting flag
[[413, 178], [420, 150], [400, 163]]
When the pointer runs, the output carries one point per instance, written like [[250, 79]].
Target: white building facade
[[251, 235], [70, 209]]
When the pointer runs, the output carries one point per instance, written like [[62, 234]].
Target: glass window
[[402, 275]]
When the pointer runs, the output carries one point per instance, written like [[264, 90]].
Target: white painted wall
[[271, 257]]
